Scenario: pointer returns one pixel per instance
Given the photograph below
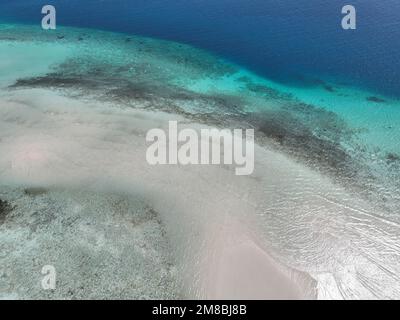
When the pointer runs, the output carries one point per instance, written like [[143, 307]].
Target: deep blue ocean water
[[289, 41]]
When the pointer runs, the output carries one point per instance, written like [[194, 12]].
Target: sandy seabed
[[77, 175], [86, 201]]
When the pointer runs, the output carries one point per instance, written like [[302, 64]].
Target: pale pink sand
[[242, 269], [247, 272]]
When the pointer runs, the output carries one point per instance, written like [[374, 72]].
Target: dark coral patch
[[329, 88], [376, 100], [392, 158], [5, 209], [35, 191], [303, 141]]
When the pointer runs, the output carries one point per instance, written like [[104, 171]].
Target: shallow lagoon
[[318, 216]]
